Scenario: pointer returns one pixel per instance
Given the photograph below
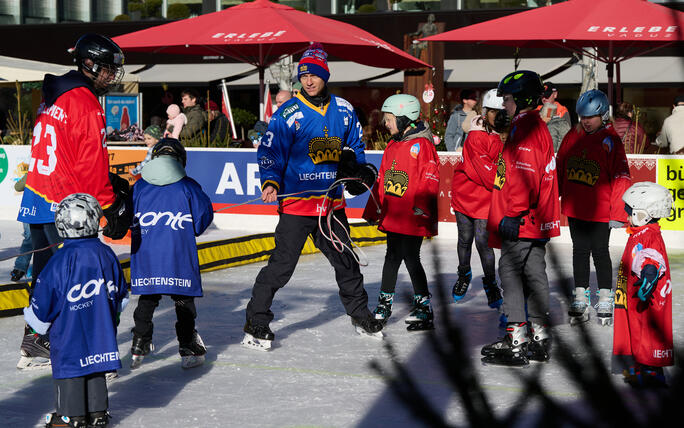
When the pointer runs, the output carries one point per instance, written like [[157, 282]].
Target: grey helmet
[[593, 103], [78, 216]]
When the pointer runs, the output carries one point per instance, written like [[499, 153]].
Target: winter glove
[[647, 283], [119, 214], [614, 224], [349, 168], [509, 228]]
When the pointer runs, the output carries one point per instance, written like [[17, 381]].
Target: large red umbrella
[[610, 31], [261, 32]]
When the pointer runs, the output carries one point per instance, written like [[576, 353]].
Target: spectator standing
[[152, 135], [281, 97], [556, 116], [460, 119], [22, 263], [196, 117], [672, 133], [632, 134], [219, 125]]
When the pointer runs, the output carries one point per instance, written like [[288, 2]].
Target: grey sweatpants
[[522, 271], [78, 396]]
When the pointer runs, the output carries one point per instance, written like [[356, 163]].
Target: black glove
[[647, 283], [509, 228], [119, 214], [349, 168]]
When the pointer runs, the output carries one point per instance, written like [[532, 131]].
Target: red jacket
[[408, 178], [644, 329], [593, 175], [471, 187], [525, 183], [68, 152]]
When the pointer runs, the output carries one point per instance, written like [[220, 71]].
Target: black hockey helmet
[[170, 147], [104, 53], [525, 86]]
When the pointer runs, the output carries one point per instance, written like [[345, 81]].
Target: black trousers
[[185, 316], [79, 396], [590, 238], [43, 235], [290, 237], [469, 230], [404, 248]]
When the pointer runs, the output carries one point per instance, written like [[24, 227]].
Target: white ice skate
[[190, 361], [579, 309], [252, 342], [111, 376], [604, 307], [33, 363]]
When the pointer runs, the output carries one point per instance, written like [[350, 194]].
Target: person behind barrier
[[69, 155], [171, 210], [311, 140]]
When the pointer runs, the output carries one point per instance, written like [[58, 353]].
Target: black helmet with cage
[[101, 59]]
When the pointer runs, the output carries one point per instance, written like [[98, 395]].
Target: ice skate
[[509, 351], [604, 307], [139, 349], [111, 376], [579, 309], [192, 354], [420, 317], [645, 377], [494, 297], [98, 419], [257, 336], [35, 351], [369, 327], [539, 348], [462, 283], [55, 420], [384, 309]]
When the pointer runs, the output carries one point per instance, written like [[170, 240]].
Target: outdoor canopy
[[260, 33], [616, 29]]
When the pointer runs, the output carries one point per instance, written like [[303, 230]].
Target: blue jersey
[[78, 296], [301, 150], [163, 248]]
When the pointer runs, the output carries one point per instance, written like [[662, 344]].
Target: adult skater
[[523, 216], [471, 193], [593, 175], [314, 138], [69, 155], [406, 189]]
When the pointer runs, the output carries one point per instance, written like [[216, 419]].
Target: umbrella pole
[[609, 68], [618, 89], [261, 92]]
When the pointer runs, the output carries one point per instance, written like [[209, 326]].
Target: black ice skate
[[16, 275], [98, 419], [35, 351], [192, 354], [257, 336], [384, 309], [511, 350], [539, 348], [368, 326], [604, 307], [421, 317], [139, 349], [462, 283], [55, 420], [494, 297]]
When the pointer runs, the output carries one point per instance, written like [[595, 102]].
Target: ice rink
[[319, 373]]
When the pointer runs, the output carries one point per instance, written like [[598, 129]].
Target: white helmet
[[78, 216], [492, 101], [648, 201]]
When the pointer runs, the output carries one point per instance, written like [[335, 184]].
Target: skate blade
[[361, 332], [191, 361], [136, 361], [251, 342], [419, 326], [605, 321], [490, 361], [575, 320], [33, 363], [111, 376]]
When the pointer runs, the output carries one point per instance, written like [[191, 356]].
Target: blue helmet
[[593, 103]]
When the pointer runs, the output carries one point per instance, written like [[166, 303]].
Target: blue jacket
[[76, 301], [163, 248]]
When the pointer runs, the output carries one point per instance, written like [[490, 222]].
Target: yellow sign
[[671, 175]]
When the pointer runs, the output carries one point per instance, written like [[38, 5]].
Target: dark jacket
[[197, 121]]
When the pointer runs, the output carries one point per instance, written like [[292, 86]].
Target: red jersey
[[593, 175], [525, 184], [644, 329], [471, 187], [68, 149], [408, 178]]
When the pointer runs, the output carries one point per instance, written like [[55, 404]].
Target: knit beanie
[[153, 131], [314, 61]]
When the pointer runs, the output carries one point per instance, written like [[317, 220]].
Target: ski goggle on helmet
[[646, 201]]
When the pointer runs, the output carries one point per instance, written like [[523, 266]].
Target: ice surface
[[318, 373]]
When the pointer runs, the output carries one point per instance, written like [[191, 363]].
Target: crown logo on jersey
[[500, 178], [582, 170], [325, 149], [396, 182]]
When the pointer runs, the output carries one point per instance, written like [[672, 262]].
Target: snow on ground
[[319, 372]]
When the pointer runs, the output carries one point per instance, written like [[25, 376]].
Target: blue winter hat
[[314, 61]]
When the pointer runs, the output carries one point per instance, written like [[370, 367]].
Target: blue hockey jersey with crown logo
[[76, 300], [163, 248], [301, 150]]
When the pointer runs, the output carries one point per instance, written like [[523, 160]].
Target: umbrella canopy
[[261, 32], [610, 31]]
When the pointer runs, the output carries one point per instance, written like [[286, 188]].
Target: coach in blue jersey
[[300, 154]]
